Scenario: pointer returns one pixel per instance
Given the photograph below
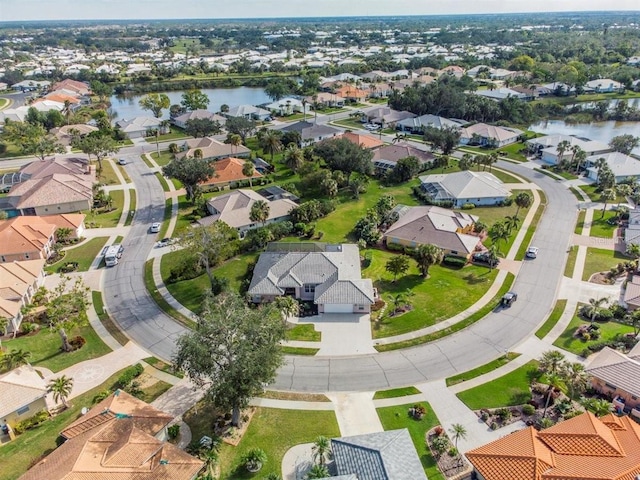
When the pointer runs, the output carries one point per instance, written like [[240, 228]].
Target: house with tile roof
[[138, 127], [483, 134], [19, 281], [234, 209], [116, 449], [449, 230], [387, 116], [418, 124], [362, 139], [623, 166], [228, 171], [80, 88], [325, 274], [466, 187], [311, 132], [22, 394], [66, 133], [25, 238], [387, 157], [211, 149], [327, 99], [617, 375], [581, 448], [181, 120], [388, 455]]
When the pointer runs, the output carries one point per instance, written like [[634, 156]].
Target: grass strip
[[470, 320], [298, 350], [531, 229], [304, 332], [163, 181], [159, 299], [300, 397], [162, 366], [556, 313], [147, 162], [571, 261], [168, 206], [482, 369], [580, 222], [577, 193], [395, 393], [105, 319], [132, 207]]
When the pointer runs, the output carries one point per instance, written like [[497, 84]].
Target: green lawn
[[164, 158], [168, 206], [395, 393], [105, 319], [505, 177], [159, 299], [608, 331], [349, 123], [447, 292], [84, 254], [299, 350], [175, 134], [599, 226], [510, 389], [147, 162], [4, 102], [108, 175], [393, 418], [106, 219], [576, 192], [571, 261], [273, 430], [555, 315], [132, 208], [305, 332], [163, 181], [600, 260], [482, 369], [124, 174], [45, 348], [580, 221]]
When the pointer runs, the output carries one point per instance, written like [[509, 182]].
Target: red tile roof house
[[582, 448], [19, 281], [228, 172], [67, 84]]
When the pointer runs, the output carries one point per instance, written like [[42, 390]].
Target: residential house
[[583, 447], [326, 99], [533, 93], [632, 289], [502, 93], [617, 375], [234, 209], [389, 455], [80, 88], [211, 149], [139, 127], [449, 230], [22, 394], [26, 238], [181, 120], [18, 283], [352, 93], [66, 133], [387, 117], [623, 166], [387, 157], [311, 132], [285, 106], [603, 85], [489, 135], [328, 275], [466, 187], [365, 141], [417, 125], [31, 85], [546, 147], [118, 443], [248, 111], [632, 232], [454, 70], [228, 171]]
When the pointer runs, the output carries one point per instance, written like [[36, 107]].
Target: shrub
[[173, 431], [377, 306], [68, 267], [438, 430], [77, 342], [507, 202], [128, 375], [468, 206], [503, 414], [28, 327], [219, 285], [32, 422], [440, 445], [454, 261], [528, 409], [494, 426], [188, 269], [395, 247], [453, 452]]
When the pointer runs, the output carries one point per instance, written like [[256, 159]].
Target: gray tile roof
[[387, 455], [311, 131], [465, 185], [617, 369]]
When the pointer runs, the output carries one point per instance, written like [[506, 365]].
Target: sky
[[167, 9]]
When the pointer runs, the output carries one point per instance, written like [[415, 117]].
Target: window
[[22, 410], [360, 307], [612, 387], [309, 288]]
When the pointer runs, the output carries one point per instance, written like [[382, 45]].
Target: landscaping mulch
[[452, 467], [230, 434]]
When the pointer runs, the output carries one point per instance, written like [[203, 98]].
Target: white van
[[112, 254]]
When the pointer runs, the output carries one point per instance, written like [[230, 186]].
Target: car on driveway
[[155, 227], [508, 298], [532, 252], [164, 242], [484, 257]]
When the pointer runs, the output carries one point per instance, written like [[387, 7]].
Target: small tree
[[191, 172], [321, 449], [397, 265], [66, 308], [458, 431], [61, 388], [259, 212], [426, 256], [254, 459]]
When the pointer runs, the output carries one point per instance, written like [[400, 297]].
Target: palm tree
[[399, 137], [457, 431], [576, 378], [561, 148], [594, 307], [554, 380], [511, 223], [259, 212], [492, 255], [401, 299], [197, 153], [288, 306], [623, 191], [498, 232], [248, 171], [491, 159], [317, 471], [607, 195], [397, 265], [61, 388], [304, 109], [321, 449], [66, 110], [523, 200], [598, 406], [427, 255], [15, 358], [551, 362], [235, 140], [293, 157], [272, 143]]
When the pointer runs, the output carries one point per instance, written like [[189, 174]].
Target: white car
[[155, 227], [532, 252], [122, 161]]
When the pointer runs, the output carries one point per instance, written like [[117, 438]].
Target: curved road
[[536, 284]]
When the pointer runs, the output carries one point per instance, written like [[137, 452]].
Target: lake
[[128, 108]]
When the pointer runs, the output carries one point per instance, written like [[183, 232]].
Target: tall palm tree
[[321, 449], [15, 359], [259, 212], [491, 159], [61, 388], [66, 110], [288, 306], [607, 195], [248, 170], [272, 143], [576, 378], [498, 232], [235, 140], [511, 222], [551, 362], [554, 380], [426, 256], [623, 190], [561, 148], [523, 200], [293, 157], [197, 153], [458, 431]]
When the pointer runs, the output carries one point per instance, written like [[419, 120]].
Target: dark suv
[[508, 298]]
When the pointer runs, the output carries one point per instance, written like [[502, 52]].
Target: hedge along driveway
[[447, 292]]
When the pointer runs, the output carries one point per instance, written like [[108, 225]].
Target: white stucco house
[[623, 166], [546, 147], [478, 188]]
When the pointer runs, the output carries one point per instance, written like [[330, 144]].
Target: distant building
[[138, 127], [211, 149], [181, 120], [248, 111], [311, 132], [546, 147], [417, 125], [19, 281], [489, 135]]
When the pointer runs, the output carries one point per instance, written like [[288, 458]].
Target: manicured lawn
[[45, 348], [159, 299], [481, 370], [600, 227], [304, 332], [273, 430], [190, 293], [168, 206], [608, 331], [84, 254], [446, 292], [555, 315], [593, 193], [108, 175], [350, 123], [132, 208], [147, 162], [154, 390], [175, 134], [299, 350], [163, 159], [106, 219], [4, 102], [105, 319], [505, 177], [571, 261], [580, 221], [163, 181], [396, 392], [393, 418], [600, 260], [124, 174], [576, 192], [510, 389]]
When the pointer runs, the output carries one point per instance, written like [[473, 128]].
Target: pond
[[127, 107]]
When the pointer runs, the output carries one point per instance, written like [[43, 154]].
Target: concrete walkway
[[356, 413]]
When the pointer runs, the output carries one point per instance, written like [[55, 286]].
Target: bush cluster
[[32, 422], [131, 373]]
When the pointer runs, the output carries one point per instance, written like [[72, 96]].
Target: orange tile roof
[[348, 91], [229, 170], [74, 85], [24, 235], [366, 141], [61, 97], [582, 448]]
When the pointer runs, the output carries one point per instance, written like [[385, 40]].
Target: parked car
[[164, 242], [122, 161], [508, 298], [155, 227], [532, 252], [483, 257]]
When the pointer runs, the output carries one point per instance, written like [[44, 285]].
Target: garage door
[[338, 308]]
